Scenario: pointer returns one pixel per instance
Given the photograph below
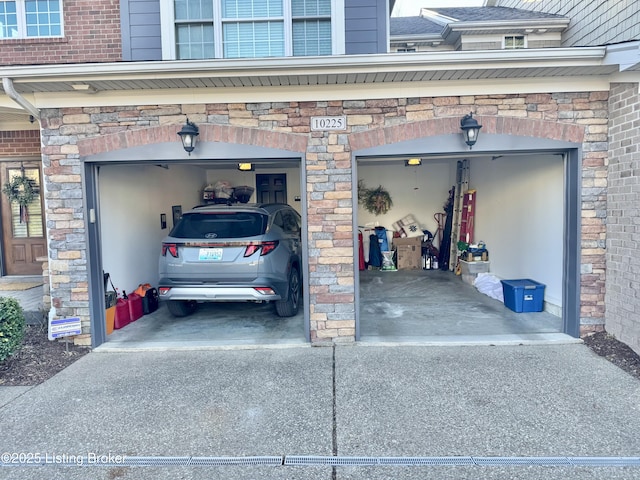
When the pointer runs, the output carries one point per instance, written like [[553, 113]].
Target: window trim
[[21, 14], [167, 22], [504, 42]]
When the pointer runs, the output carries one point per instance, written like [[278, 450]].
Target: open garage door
[[136, 206], [524, 207]]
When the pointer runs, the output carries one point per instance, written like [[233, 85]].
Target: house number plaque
[[328, 123]]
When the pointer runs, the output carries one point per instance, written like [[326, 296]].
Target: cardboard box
[[407, 241], [408, 227], [409, 257], [413, 230], [409, 253]]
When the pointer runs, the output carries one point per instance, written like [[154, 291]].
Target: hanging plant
[[374, 200], [23, 191]]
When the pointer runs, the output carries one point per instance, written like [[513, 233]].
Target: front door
[[271, 188], [23, 238]]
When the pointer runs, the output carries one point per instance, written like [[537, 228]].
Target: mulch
[[616, 352], [39, 358]]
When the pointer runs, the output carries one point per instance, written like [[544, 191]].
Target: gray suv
[[233, 253]]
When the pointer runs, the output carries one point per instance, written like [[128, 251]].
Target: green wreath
[[20, 190], [374, 200]]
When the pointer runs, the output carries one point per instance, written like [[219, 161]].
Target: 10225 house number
[[328, 123]]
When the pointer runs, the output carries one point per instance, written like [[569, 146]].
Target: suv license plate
[[210, 254]]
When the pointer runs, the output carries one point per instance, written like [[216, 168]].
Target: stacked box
[[409, 252], [473, 268], [408, 227]]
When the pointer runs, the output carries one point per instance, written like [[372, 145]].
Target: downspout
[[7, 85]]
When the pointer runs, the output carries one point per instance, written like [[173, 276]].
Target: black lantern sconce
[[189, 136], [470, 129]]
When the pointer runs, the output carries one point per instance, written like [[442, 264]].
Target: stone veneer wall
[[69, 134], [623, 216]]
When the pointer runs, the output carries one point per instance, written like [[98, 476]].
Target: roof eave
[[302, 65], [500, 25]]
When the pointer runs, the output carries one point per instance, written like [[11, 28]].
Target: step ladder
[[462, 186]]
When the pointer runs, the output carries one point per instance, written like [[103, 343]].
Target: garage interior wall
[[132, 197], [520, 216], [519, 210], [237, 178]]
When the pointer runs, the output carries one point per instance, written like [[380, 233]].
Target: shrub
[[12, 325]]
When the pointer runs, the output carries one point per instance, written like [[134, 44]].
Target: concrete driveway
[[348, 412]]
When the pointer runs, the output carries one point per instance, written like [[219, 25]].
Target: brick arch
[[208, 133], [490, 125]]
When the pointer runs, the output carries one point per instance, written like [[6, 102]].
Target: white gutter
[[7, 85], [340, 64], [627, 55], [548, 23]]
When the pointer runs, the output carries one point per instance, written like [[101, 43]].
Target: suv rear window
[[220, 225]]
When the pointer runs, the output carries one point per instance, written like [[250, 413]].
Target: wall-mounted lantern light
[[412, 162], [245, 167], [189, 136], [470, 129]]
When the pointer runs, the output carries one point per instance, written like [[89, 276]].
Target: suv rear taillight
[[264, 247], [172, 248]]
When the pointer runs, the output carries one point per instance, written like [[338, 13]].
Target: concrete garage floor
[[432, 306], [212, 325], [407, 306]]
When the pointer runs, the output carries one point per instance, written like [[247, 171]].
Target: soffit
[[323, 71]]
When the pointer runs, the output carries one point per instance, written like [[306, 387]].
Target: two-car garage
[[522, 215]]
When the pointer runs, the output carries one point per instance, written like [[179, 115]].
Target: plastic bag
[[489, 285]]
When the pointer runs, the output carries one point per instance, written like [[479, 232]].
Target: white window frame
[[167, 21], [21, 14], [504, 42]]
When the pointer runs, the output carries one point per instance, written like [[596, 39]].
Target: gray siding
[[593, 22], [141, 33], [623, 225], [366, 26]]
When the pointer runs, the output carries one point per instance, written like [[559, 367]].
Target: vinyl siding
[[366, 26], [141, 32], [593, 22]]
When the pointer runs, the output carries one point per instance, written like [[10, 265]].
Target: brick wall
[[23, 143], [623, 225], [71, 133], [91, 34]]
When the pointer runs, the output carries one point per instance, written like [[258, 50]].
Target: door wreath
[[374, 200], [21, 190]]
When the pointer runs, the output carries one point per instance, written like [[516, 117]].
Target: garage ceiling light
[[246, 167], [413, 162], [470, 129], [189, 136]]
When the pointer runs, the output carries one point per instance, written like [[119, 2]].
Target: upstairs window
[[201, 29], [512, 42], [30, 18]]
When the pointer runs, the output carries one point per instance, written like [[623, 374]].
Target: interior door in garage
[[271, 188], [23, 237]]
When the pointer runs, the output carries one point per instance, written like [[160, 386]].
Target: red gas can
[[135, 307], [122, 317]]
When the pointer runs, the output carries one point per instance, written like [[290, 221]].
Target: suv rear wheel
[[289, 307], [182, 308]]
